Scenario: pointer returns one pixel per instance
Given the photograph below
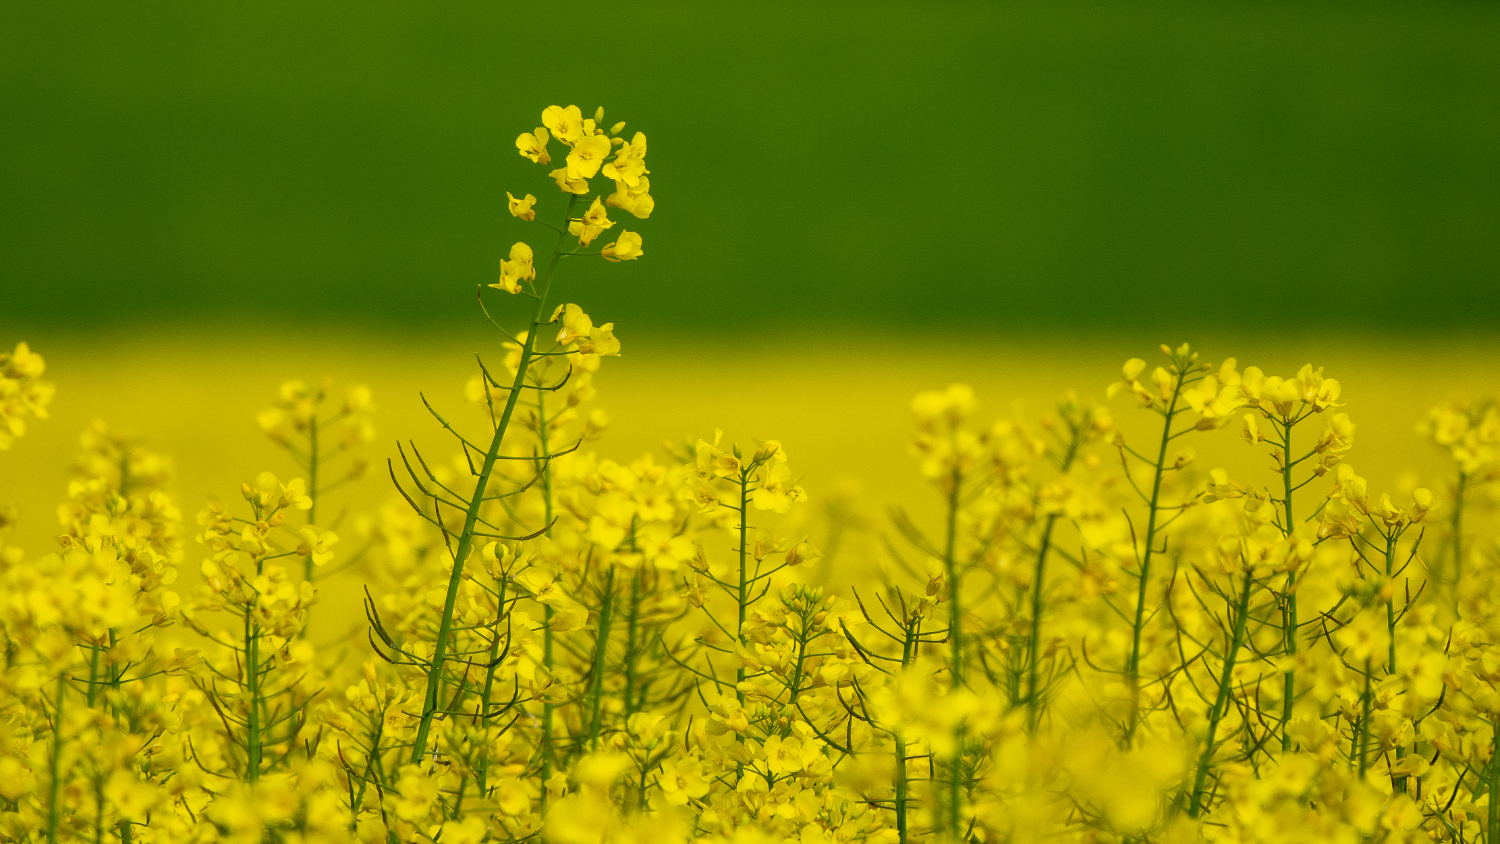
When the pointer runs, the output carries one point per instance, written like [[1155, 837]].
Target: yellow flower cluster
[[23, 392], [1097, 641]]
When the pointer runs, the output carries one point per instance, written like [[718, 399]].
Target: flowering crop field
[[952, 600]]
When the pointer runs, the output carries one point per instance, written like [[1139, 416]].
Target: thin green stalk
[[901, 787], [1133, 666], [1033, 649], [364, 782], [1226, 682], [1289, 618], [546, 469], [950, 565], [743, 597], [955, 637], [632, 623], [547, 752], [1362, 737], [1493, 810], [93, 692], [252, 684], [912, 631], [54, 809], [99, 810], [1390, 605], [1390, 621], [432, 702], [1458, 530], [796, 687], [601, 651], [312, 492], [489, 684]]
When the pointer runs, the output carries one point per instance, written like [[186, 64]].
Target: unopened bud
[[599, 114], [617, 128]]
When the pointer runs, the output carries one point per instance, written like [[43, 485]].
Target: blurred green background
[[993, 167]]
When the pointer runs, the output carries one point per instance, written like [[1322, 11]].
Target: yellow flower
[[470, 830], [575, 323], [533, 145], [783, 755], [568, 183], [1365, 637], [516, 270], [634, 199], [511, 797], [522, 207], [587, 156], [416, 792], [627, 248], [681, 779], [630, 162], [566, 124], [315, 545], [593, 222]]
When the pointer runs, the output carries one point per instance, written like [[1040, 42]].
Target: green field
[[1034, 167]]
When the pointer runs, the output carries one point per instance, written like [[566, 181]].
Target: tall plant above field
[[532, 369]]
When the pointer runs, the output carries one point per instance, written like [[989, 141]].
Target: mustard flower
[[517, 270], [533, 145], [522, 208], [627, 248]]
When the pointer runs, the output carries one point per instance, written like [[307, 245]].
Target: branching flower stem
[[1226, 682], [1033, 650], [432, 702], [1133, 666]]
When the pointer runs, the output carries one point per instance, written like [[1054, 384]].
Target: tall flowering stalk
[[589, 147]]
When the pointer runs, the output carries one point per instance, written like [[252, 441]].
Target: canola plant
[[1095, 643]]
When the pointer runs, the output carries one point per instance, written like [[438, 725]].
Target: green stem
[[1289, 690], [489, 684], [912, 633], [252, 687], [632, 621], [1033, 650], [1362, 738], [364, 782], [1458, 530], [548, 758], [1494, 806], [601, 651], [901, 787], [93, 692], [1390, 605], [744, 595], [54, 809], [955, 637], [312, 493], [432, 702], [1133, 666], [1226, 682]]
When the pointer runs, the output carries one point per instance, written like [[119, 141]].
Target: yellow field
[[838, 404], [1102, 698]]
